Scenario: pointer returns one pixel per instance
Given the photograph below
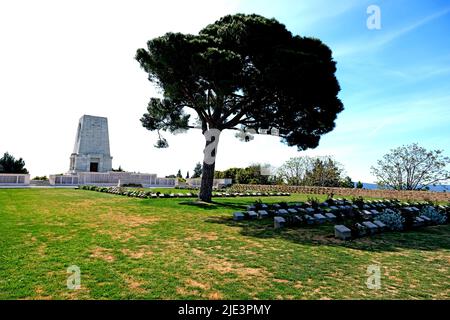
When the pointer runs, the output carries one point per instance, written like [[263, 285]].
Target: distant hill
[[440, 188]]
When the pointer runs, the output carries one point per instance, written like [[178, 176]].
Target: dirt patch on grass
[[215, 296], [197, 235], [127, 220], [40, 294], [117, 218], [141, 252], [186, 292], [436, 257], [51, 236], [134, 284], [103, 254], [227, 266], [81, 293], [55, 223], [251, 244], [197, 284], [200, 288], [121, 236], [281, 281], [41, 249], [121, 227]]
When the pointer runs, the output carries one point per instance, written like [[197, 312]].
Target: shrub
[[340, 218], [392, 219], [409, 219], [429, 202], [435, 216], [330, 199], [132, 185], [447, 212], [357, 230], [284, 205], [359, 201], [356, 215], [314, 202], [258, 203], [43, 178]]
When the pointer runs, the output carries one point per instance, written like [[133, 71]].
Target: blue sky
[[395, 81], [60, 60]]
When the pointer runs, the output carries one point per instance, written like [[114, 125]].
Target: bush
[[357, 230], [392, 219], [447, 212], [314, 202], [435, 216], [284, 205], [330, 199], [356, 215], [43, 178], [132, 185], [359, 201], [409, 217], [258, 204]]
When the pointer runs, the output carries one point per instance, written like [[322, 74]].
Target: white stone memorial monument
[[91, 151], [91, 162]]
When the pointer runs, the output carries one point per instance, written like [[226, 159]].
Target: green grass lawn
[[130, 248]]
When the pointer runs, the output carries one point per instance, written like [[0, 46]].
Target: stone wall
[[110, 179], [14, 179], [386, 194]]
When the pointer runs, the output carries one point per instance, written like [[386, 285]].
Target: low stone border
[[158, 195]]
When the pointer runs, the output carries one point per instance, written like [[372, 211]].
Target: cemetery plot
[[351, 220]]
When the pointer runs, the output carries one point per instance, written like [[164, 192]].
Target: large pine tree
[[241, 72]]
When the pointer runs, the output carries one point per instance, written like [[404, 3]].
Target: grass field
[[128, 248]]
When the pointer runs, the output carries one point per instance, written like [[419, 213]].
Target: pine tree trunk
[[209, 164], [207, 182]]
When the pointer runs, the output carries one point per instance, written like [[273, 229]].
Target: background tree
[[187, 175], [9, 164], [347, 183], [249, 175], [294, 170], [118, 170], [314, 171], [42, 178], [359, 185], [179, 175], [197, 171], [252, 175], [411, 167], [324, 173], [241, 72]]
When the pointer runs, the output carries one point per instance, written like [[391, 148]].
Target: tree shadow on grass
[[427, 238], [215, 205]]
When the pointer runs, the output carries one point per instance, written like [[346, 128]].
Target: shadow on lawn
[[428, 238], [215, 205]]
